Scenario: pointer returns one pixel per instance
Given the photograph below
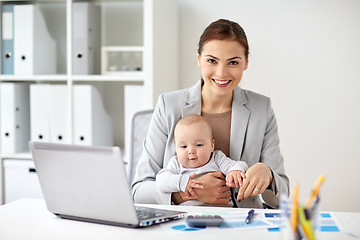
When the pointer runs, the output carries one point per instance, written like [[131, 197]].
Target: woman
[[242, 121]]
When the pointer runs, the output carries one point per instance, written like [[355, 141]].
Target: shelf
[[26, 156], [122, 77], [24, 78]]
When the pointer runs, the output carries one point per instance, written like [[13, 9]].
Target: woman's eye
[[233, 63], [212, 61]]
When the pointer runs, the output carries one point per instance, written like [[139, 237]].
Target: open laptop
[[90, 184]]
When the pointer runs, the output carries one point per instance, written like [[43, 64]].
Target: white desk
[[29, 219]]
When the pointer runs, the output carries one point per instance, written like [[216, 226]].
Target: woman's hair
[[223, 29]]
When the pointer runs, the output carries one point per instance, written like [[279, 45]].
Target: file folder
[[40, 112], [59, 127], [7, 39], [92, 124], [34, 48], [86, 38], [15, 117]]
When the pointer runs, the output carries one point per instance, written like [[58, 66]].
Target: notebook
[[89, 183]]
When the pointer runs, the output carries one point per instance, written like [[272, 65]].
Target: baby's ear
[[213, 145]]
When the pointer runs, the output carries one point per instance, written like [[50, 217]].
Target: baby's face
[[194, 144]]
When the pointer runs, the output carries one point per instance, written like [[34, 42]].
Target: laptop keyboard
[[143, 213]]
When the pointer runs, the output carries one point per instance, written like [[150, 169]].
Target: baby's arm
[[235, 178], [193, 183]]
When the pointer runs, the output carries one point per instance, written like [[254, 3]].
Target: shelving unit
[[150, 25]]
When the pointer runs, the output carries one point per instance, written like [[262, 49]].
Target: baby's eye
[[199, 145], [183, 146]]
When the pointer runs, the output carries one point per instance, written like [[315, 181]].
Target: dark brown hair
[[223, 29]]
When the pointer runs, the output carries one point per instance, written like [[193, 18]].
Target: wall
[[305, 56]]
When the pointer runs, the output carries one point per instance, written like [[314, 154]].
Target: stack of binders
[[15, 127], [27, 47], [49, 115]]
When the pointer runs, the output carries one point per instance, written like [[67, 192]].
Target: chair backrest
[[139, 128]]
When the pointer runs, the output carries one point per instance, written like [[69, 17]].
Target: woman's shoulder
[[185, 92], [175, 94], [251, 95], [253, 99]]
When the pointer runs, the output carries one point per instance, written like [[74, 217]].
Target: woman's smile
[[221, 83]]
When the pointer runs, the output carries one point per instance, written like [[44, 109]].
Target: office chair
[[139, 128]]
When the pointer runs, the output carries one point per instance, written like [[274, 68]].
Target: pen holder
[[303, 222]]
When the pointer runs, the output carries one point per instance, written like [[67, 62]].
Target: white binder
[[86, 38], [92, 124], [15, 117], [34, 48], [40, 112], [7, 39], [59, 127]]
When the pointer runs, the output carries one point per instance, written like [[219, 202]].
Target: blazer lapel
[[239, 116], [192, 101], [239, 122]]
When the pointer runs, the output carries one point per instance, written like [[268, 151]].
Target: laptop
[[89, 183]]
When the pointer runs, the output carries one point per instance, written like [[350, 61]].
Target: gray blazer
[[253, 138]]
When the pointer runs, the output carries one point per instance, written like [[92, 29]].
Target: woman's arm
[[151, 160], [268, 176], [214, 190]]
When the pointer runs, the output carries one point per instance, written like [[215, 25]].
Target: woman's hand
[[214, 189], [258, 178]]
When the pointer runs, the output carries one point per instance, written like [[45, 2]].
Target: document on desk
[[269, 221], [235, 220], [328, 222]]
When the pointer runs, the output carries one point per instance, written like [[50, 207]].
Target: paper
[[235, 220], [328, 222]]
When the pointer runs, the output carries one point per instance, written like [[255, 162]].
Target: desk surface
[[30, 219]]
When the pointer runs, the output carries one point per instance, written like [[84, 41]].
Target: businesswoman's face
[[222, 63]]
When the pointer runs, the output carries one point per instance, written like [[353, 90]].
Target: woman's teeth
[[221, 82]]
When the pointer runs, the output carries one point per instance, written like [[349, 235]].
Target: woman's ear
[[246, 63], [198, 58]]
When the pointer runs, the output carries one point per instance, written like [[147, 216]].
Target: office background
[[304, 55]]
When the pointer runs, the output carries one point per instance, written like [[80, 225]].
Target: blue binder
[[7, 43]]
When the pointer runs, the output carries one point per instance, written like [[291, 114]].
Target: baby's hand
[[235, 178], [193, 183]]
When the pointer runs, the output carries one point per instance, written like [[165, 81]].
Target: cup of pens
[[301, 219]]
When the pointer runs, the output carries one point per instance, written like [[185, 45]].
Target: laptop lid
[[87, 183]]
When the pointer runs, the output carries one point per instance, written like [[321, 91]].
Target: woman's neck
[[211, 103]]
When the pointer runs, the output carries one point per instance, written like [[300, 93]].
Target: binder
[[92, 124], [59, 127], [7, 39], [40, 112], [15, 117], [34, 48], [86, 38]]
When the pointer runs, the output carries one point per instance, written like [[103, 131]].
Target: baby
[[195, 156]]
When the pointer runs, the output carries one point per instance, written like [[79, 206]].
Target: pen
[[249, 216], [306, 224], [294, 212], [315, 191]]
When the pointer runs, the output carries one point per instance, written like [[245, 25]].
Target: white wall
[[305, 55]]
